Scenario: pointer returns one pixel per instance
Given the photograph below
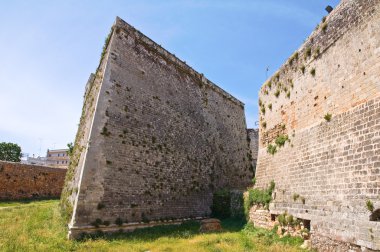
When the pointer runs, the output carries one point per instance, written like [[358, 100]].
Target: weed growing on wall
[[302, 68], [272, 149], [277, 93], [281, 140], [328, 117], [324, 27], [295, 196], [312, 72], [370, 206]]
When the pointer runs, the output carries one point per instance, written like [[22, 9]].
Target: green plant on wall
[[281, 140], [260, 197], [269, 85], [328, 117], [302, 68], [270, 106], [308, 52], [272, 149], [277, 93], [263, 109], [312, 72], [295, 196], [324, 27], [370, 206]]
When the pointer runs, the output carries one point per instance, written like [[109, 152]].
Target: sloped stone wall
[[161, 139]]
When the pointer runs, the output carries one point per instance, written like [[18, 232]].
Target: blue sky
[[49, 48]]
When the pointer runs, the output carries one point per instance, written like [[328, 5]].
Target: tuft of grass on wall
[[328, 117]]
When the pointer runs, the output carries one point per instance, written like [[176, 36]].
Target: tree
[[10, 152], [70, 146]]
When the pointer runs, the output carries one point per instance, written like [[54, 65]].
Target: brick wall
[[21, 181], [334, 166], [162, 138]]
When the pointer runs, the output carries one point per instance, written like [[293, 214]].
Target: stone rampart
[[156, 139], [320, 124], [23, 181]]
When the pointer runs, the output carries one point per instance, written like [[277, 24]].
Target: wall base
[[77, 232]]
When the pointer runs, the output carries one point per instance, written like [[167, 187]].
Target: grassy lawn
[[38, 226]]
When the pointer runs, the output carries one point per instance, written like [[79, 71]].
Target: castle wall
[[23, 181], [333, 166], [157, 140], [253, 135]]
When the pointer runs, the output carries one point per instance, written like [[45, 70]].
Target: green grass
[[38, 226]]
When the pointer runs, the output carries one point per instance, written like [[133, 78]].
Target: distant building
[[57, 158], [35, 160]]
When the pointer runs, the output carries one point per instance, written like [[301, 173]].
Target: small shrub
[[260, 103], [258, 196], [302, 68], [264, 124], [312, 72], [370, 206], [317, 52], [281, 140], [323, 19], [290, 219], [254, 181], [282, 220], [295, 196], [272, 149], [277, 93], [303, 200], [288, 94], [328, 117], [105, 132], [293, 58], [324, 27], [270, 106], [108, 162], [269, 85], [263, 110], [277, 76], [308, 52], [283, 126]]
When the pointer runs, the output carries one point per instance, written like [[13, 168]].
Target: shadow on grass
[[185, 230]]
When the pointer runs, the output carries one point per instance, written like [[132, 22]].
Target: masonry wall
[[157, 143], [253, 136], [22, 181], [334, 166]]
